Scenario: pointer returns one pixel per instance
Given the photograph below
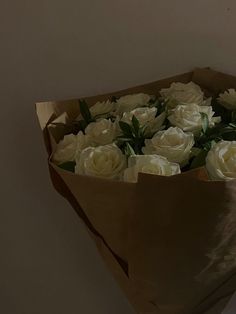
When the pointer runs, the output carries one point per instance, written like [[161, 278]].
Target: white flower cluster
[[163, 143]]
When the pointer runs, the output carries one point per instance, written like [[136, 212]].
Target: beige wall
[[63, 49]]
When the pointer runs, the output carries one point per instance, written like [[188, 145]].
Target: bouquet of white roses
[[150, 171], [176, 130]]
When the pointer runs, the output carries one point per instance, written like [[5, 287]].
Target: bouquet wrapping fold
[[170, 242]]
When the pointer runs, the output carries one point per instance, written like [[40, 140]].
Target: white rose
[[189, 119], [70, 146], [152, 164], [221, 161], [156, 124], [102, 161], [146, 117], [130, 102], [102, 109], [185, 94], [173, 143], [102, 132], [228, 99]]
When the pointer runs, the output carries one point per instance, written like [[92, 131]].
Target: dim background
[[55, 49]]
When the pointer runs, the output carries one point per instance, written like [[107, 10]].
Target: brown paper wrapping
[[170, 242]]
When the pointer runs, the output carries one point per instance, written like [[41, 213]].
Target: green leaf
[[199, 160], [68, 166], [114, 99], [233, 116], [205, 122], [221, 131], [124, 139], [152, 101], [159, 104], [219, 109], [126, 129], [228, 132], [85, 112], [208, 145], [136, 125], [214, 131], [145, 132], [129, 151], [229, 135], [82, 125], [195, 151]]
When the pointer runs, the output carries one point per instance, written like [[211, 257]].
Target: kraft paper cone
[[107, 209], [170, 242], [184, 242]]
